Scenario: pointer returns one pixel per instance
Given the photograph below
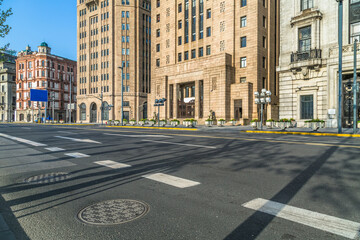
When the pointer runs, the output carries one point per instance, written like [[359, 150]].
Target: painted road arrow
[[79, 140]]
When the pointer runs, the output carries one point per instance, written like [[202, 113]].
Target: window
[[243, 21], [208, 32], [186, 55], [208, 13], [158, 18], [179, 40], [264, 62], [201, 52], [243, 3], [264, 21], [179, 57], [306, 4], [158, 62], [307, 107], [180, 8], [193, 53], [243, 42], [208, 50], [243, 62], [180, 24], [263, 82], [157, 32], [157, 3], [157, 47], [305, 39], [355, 31], [264, 42], [243, 80]]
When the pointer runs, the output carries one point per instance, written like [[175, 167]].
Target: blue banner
[[38, 95]]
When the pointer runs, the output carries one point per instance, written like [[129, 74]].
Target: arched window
[[82, 112], [43, 63]]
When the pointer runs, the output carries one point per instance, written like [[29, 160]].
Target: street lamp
[[122, 95], [340, 35], [158, 103], [262, 98], [52, 97]]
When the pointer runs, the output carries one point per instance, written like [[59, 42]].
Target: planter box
[[132, 123], [233, 123], [293, 124], [315, 125], [284, 125], [174, 123], [209, 123], [117, 123], [270, 125], [162, 123], [221, 123], [151, 123], [358, 125], [141, 123], [255, 125], [188, 123]]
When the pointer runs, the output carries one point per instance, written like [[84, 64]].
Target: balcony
[[304, 56], [311, 58]]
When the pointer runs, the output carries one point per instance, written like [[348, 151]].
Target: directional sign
[[38, 95]]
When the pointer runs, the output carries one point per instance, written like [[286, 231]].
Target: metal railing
[[306, 55]]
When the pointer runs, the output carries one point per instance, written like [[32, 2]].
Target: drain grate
[[113, 212], [48, 178]]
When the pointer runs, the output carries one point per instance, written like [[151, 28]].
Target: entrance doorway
[[93, 113], [186, 101]]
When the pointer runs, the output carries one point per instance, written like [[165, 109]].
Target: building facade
[[113, 34], [209, 57], [7, 87], [44, 71], [308, 65]]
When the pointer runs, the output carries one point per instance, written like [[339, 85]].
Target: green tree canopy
[[4, 28]]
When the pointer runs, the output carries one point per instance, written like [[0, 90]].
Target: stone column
[[197, 99], [176, 96]]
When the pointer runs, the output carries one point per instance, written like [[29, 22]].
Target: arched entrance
[[105, 111], [21, 117], [28, 118], [82, 112], [145, 110], [93, 113]]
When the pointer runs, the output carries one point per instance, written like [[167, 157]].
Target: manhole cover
[[48, 178], [113, 212]]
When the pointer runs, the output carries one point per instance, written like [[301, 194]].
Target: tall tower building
[[113, 34], [7, 86], [211, 56]]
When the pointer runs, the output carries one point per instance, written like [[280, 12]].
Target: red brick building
[[44, 71]]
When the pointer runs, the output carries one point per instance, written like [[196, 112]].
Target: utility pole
[[70, 102], [340, 35], [355, 88]]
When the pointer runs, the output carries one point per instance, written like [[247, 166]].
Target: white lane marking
[[112, 164], [79, 140], [54, 149], [182, 144], [76, 155], [316, 220], [26, 128], [138, 136], [67, 132], [171, 180], [32, 143]]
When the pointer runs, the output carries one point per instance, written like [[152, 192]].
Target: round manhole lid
[[113, 212], [48, 178]]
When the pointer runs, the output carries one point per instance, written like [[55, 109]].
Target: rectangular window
[[201, 19], [306, 4], [157, 47], [158, 62], [179, 40], [208, 32], [208, 50], [201, 52], [264, 42], [243, 3], [243, 21], [186, 55], [243, 62], [157, 32], [180, 24], [193, 53], [243, 42], [264, 62], [208, 13], [179, 8], [186, 28], [264, 21], [307, 107], [193, 20], [179, 57], [243, 80], [305, 39]]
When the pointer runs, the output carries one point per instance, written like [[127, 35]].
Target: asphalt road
[[197, 185]]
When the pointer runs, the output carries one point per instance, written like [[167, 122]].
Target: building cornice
[[308, 14]]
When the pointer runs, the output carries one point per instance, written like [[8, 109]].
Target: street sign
[[38, 95], [72, 106]]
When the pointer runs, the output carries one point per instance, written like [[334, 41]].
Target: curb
[[161, 128], [307, 133]]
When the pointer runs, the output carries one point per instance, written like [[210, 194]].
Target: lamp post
[[340, 29], [70, 101], [52, 97], [158, 103], [122, 96], [262, 98], [355, 88]]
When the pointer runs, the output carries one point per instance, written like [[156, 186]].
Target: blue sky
[[35, 21]]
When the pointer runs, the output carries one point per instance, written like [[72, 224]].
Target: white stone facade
[[313, 72]]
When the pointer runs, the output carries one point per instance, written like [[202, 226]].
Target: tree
[[4, 28]]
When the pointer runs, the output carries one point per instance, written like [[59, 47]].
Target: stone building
[[44, 71], [308, 65], [113, 34], [211, 56], [7, 87]]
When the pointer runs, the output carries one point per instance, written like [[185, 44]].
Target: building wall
[[7, 89], [48, 72], [134, 53], [315, 76], [220, 70]]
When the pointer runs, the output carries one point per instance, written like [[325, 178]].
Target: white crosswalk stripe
[[171, 180], [55, 149], [77, 155], [32, 143], [112, 164]]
